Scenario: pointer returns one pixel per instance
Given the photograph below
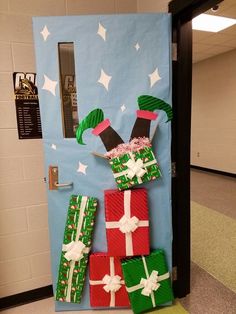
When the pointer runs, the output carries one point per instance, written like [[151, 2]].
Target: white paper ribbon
[[75, 248], [149, 284], [112, 283], [136, 168], [127, 224]]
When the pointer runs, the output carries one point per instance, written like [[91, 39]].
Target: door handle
[[63, 185], [53, 179]]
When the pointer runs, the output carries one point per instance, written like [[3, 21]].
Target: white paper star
[[82, 168], [49, 85], [54, 146], [137, 47], [123, 108], [45, 33], [104, 79], [101, 31], [154, 77]]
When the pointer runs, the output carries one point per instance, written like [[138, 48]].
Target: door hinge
[[174, 52], [174, 273], [173, 169]]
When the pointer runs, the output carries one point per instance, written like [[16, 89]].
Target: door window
[[68, 89]]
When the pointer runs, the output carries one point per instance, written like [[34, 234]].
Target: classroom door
[[107, 62]]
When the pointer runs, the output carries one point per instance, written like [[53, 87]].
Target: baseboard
[[228, 174], [26, 297]]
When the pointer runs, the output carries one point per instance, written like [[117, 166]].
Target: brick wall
[[24, 244]]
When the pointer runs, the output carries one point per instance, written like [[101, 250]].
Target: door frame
[[182, 14]]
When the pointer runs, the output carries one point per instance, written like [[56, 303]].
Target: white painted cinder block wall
[[146, 6], [24, 244], [214, 113]]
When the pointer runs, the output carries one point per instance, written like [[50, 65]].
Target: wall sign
[[27, 105]]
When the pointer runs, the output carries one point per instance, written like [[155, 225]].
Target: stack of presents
[[128, 274]]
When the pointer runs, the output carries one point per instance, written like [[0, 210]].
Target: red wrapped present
[[127, 224], [107, 286]]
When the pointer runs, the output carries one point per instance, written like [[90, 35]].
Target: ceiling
[[206, 44]]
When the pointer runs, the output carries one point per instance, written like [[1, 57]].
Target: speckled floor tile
[[213, 244], [46, 306], [214, 191], [208, 296]]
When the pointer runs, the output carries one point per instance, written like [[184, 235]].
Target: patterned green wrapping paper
[[73, 263], [120, 169], [147, 281]]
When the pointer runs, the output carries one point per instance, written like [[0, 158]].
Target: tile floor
[[47, 307], [209, 295], [214, 191]]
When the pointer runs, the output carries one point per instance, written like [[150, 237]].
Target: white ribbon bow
[[135, 168], [112, 283], [128, 224], [151, 284], [74, 250]]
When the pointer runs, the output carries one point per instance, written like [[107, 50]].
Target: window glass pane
[[68, 89]]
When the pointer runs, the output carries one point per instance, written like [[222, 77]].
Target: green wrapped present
[[132, 163], [75, 248], [135, 167], [147, 281]]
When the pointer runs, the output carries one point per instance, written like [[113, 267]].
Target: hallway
[[213, 230]]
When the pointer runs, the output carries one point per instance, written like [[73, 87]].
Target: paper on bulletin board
[[27, 106]]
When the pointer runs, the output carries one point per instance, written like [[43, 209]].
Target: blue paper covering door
[[117, 59]]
